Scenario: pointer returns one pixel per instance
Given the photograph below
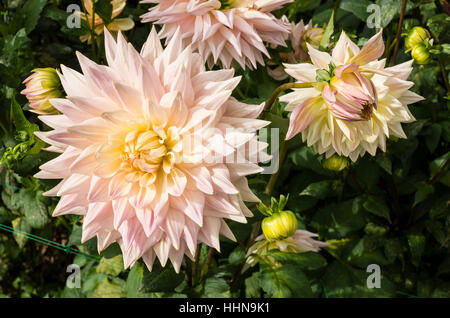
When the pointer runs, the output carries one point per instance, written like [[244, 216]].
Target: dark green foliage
[[391, 209]]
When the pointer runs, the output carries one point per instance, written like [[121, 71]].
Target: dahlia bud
[[312, 36], [350, 95], [41, 86], [335, 163], [279, 225], [415, 36], [420, 54]]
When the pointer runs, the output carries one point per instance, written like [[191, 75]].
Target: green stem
[[208, 261], [444, 74], [399, 32], [94, 47], [195, 267], [283, 88], [274, 177]]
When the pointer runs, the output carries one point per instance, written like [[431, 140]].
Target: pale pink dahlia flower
[[300, 242], [222, 30], [357, 107], [133, 138]]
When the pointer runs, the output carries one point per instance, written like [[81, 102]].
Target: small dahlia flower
[[355, 102], [147, 149], [42, 85], [300, 35], [300, 242], [222, 30], [116, 24]]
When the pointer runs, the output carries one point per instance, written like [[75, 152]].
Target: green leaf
[[342, 280], [416, 242], [20, 122], [278, 122], [109, 289], [253, 286], [384, 162], [104, 9], [325, 41], [112, 251], [338, 220], [376, 205], [358, 8], [285, 281], [162, 279], [21, 225], [437, 229], [237, 256], [75, 236], [34, 208], [439, 24], [438, 163], [390, 8], [367, 172], [307, 158], [134, 280], [110, 266], [432, 138], [318, 190], [216, 288], [423, 191], [305, 261], [30, 13], [360, 254]]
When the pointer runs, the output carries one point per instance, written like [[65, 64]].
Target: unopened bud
[[335, 163], [312, 36], [420, 54], [415, 36], [279, 225], [41, 86]]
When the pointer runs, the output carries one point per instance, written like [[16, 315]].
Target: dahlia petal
[[173, 226], [372, 50], [318, 58], [298, 121]]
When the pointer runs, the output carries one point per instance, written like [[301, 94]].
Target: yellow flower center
[[228, 4], [147, 152]]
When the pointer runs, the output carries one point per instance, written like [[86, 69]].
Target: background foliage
[[391, 209]]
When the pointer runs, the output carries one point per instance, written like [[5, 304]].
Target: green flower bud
[[335, 163], [415, 36], [41, 86], [312, 36], [420, 54], [279, 225]]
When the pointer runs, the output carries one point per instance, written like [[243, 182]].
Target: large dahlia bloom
[[223, 30], [355, 105], [148, 150]]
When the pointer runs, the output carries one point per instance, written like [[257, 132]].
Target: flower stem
[[399, 32], [444, 74], [208, 261], [283, 88], [94, 47], [195, 267], [273, 178]]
